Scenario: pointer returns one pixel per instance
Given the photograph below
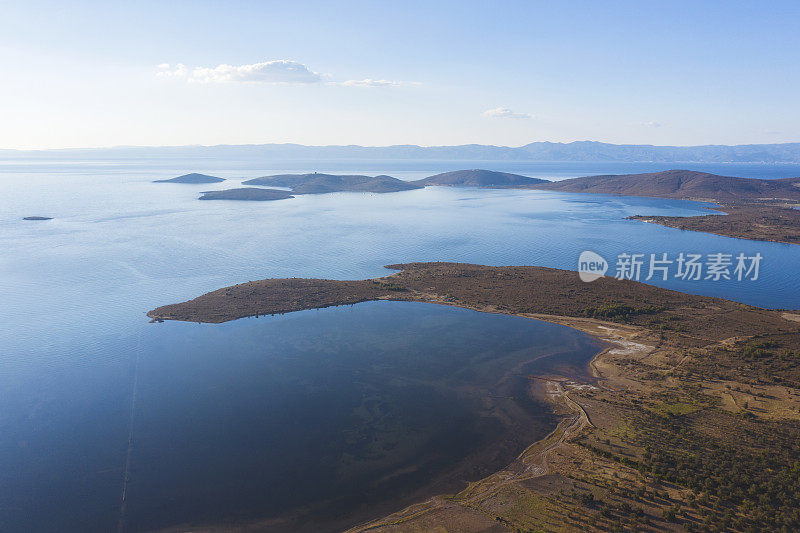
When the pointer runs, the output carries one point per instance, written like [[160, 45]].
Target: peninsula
[[754, 222], [693, 420]]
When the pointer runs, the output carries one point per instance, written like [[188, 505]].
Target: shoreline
[[779, 223], [532, 461], [672, 361], [550, 389]]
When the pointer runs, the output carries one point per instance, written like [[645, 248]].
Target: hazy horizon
[[477, 154], [410, 144]]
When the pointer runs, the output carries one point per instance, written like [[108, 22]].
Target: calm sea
[[329, 411]]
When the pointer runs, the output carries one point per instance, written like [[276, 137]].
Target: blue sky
[[75, 74]]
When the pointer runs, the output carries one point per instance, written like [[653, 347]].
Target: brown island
[[192, 178], [693, 422], [318, 183]]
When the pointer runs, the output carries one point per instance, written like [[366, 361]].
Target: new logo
[[591, 266]]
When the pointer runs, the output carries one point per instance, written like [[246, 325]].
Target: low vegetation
[[620, 311]]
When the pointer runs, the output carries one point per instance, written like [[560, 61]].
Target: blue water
[[74, 291], [339, 414], [404, 169]]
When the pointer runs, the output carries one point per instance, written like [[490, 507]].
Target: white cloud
[[165, 70], [504, 112], [273, 72], [651, 124], [280, 71], [369, 82]]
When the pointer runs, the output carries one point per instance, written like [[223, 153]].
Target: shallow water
[[341, 409], [74, 291]]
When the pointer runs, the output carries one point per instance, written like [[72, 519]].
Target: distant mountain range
[[589, 151]]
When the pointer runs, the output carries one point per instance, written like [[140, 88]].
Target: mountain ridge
[[587, 151]]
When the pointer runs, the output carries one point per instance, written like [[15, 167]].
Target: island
[[480, 178], [192, 178], [37, 218], [759, 209], [692, 419], [685, 185], [250, 194], [316, 183]]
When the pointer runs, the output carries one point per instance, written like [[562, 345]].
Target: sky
[[91, 74]]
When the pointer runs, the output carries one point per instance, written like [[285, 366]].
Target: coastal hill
[[479, 178], [247, 194], [683, 184], [315, 183], [194, 177]]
